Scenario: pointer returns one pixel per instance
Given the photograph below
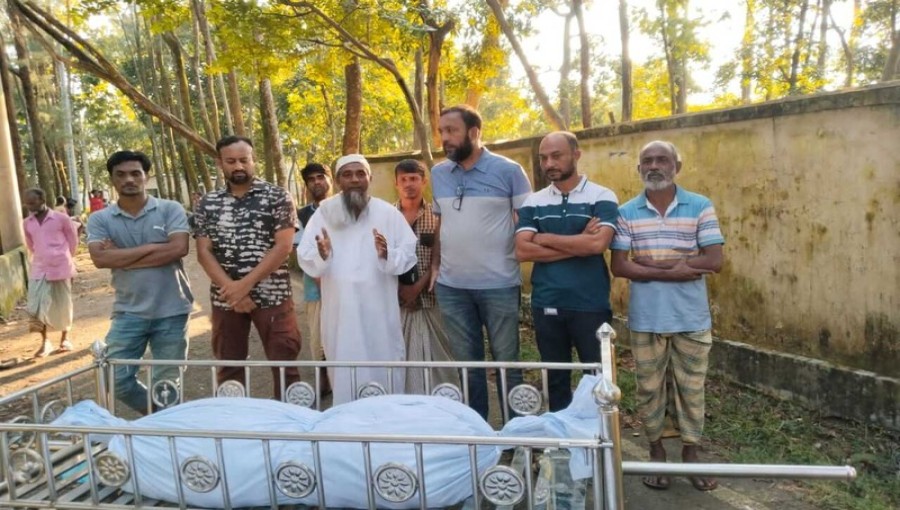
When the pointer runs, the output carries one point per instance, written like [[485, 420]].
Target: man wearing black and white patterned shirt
[[244, 236]]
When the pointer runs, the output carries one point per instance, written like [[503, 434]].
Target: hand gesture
[[380, 244], [323, 242]]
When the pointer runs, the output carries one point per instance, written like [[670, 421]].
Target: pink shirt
[[52, 245]]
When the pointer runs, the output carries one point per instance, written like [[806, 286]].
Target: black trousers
[[557, 332]]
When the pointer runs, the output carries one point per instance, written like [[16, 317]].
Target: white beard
[[336, 213]]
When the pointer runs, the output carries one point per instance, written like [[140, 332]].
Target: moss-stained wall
[[13, 278], [808, 196]]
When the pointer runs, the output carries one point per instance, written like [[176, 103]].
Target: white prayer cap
[[351, 158]]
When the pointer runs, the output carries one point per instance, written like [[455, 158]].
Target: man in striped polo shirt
[[667, 240], [564, 229]]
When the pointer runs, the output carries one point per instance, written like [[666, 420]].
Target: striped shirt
[[689, 223], [424, 228], [575, 283]]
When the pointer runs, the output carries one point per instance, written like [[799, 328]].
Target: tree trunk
[[565, 104], [670, 57], [552, 115], [627, 91], [184, 92], [419, 90], [199, 11], [436, 40], [823, 42], [353, 115], [186, 163], [795, 56], [66, 107], [584, 46], [747, 52], [234, 104], [211, 133], [8, 89], [45, 172], [159, 168], [273, 141], [892, 64], [173, 153]]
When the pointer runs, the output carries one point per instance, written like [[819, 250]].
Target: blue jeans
[[556, 335], [465, 313], [128, 338]]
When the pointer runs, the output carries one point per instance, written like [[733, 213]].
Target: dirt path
[[93, 297]]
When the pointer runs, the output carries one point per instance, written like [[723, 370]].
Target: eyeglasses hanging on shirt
[[460, 193]]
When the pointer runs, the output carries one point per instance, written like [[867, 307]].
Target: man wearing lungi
[[666, 241], [51, 238]]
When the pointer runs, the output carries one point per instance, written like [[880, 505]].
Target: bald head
[[558, 155]]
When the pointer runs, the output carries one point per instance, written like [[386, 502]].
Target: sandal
[[701, 483], [64, 346], [658, 482], [45, 350]]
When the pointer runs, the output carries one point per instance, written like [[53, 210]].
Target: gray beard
[[355, 203]]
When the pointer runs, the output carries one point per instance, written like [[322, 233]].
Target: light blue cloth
[[446, 467]]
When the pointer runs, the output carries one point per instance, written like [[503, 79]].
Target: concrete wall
[[13, 279], [808, 195]]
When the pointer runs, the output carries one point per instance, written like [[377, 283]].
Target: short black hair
[[409, 166], [120, 157], [470, 116], [60, 200], [38, 192], [231, 140], [312, 169]]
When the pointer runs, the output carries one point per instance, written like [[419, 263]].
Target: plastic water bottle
[[567, 494]]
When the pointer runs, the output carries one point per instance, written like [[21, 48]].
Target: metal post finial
[[99, 350]]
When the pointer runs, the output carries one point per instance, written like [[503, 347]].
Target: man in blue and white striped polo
[[667, 240], [564, 229]]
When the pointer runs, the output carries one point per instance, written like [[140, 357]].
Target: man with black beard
[[564, 229], [475, 272], [357, 245], [244, 235]]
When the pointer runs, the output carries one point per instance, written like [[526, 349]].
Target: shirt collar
[[681, 198], [152, 203], [579, 188], [479, 165]]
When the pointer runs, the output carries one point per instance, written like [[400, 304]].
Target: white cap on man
[[351, 158]]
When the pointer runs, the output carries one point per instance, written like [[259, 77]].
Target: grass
[[746, 426]]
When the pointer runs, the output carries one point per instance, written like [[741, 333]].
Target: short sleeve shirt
[[576, 283], [150, 292], [242, 231], [690, 223], [424, 228], [477, 226]]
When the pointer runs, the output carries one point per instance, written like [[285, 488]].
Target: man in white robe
[[358, 245]]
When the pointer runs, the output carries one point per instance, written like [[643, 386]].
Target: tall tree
[[6, 81], [892, 63], [550, 112], [584, 60], [747, 51], [353, 114], [440, 29], [624, 33], [45, 171]]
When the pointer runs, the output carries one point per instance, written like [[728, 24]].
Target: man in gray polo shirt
[[142, 239], [476, 194]]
